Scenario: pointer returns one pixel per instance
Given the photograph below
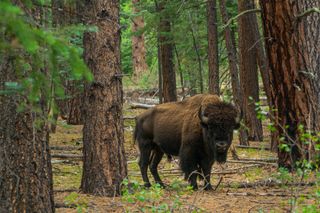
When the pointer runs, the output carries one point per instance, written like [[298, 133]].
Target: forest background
[[68, 59]]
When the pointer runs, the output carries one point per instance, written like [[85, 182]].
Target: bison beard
[[199, 130]]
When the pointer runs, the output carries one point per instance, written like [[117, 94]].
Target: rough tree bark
[[213, 50], [197, 47], [104, 158], [293, 46], [232, 58], [63, 14], [248, 68], [25, 162], [179, 68], [138, 45], [166, 55]]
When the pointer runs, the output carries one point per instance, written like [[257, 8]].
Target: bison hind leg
[[155, 159], [145, 148]]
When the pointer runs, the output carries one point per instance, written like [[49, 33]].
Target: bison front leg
[[188, 164], [145, 150], [157, 155], [206, 170]]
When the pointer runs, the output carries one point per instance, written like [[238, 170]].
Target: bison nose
[[222, 145]]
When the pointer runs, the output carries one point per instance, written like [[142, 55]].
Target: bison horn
[[202, 117]]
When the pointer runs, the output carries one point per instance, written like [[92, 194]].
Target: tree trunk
[[75, 106], [292, 43], [63, 14], [179, 69], [104, 158], [248, 68], [25, 162], [160, 84], [196, 49], [213, 50], [262, 60], [138, 48], [166, 56], [232, 58]]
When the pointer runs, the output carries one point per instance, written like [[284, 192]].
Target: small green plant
[[74, 199], [155, 198]]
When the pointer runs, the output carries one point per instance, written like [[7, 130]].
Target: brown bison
[[199, 130]]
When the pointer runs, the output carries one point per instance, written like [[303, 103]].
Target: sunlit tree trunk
[[213, 50], [169, 91], [292, 43], [234, 72], [25, 162], [248, 68], [138, 44], [104, 162]]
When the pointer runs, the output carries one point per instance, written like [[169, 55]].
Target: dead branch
[[234, 153], [267, 183], [269, 160], [174, 172], [263, 194], [220, 180], [63, 205], [237, 16], [253, 147]]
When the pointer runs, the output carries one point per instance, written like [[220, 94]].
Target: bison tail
[[135, 132]]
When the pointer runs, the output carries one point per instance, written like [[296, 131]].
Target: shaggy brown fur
[[176, 129]]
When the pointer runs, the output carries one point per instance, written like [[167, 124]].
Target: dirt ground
[[243, 186]]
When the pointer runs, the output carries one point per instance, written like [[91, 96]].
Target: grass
[[67, 176]]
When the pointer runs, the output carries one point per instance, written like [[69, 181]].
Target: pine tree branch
[[239, 15], [307, 12]]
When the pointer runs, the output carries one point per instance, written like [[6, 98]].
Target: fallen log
[[134, 105], [66, 148], [129, 117], [148, 100], [269, 160], [67, 156], [65, 190], [251, 162]]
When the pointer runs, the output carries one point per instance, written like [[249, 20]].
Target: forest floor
[[243, 185]]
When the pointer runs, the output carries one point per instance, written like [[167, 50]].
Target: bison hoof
[[208, 187], [161, 185], [194, 187], [147, 185]]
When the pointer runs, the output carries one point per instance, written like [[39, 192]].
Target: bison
[[198, 129]]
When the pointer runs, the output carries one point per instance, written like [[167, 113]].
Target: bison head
[[218, 122]]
